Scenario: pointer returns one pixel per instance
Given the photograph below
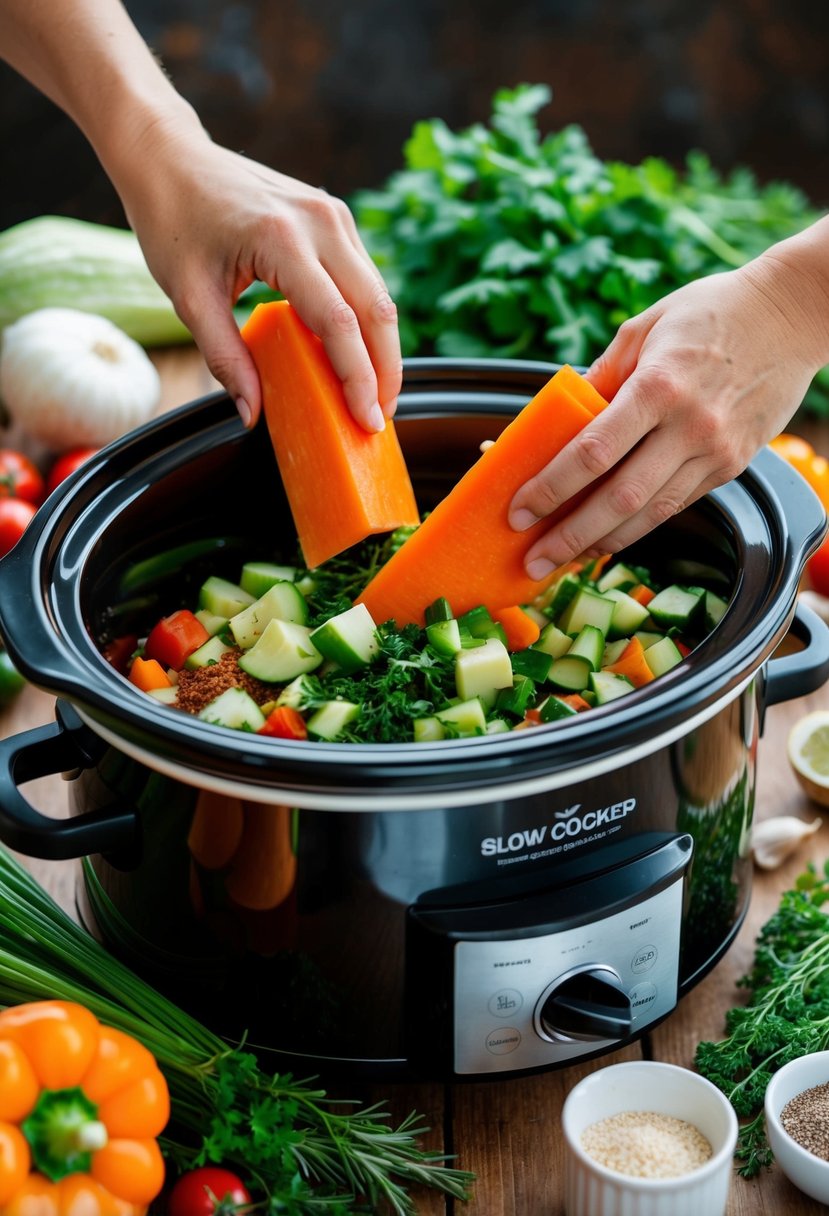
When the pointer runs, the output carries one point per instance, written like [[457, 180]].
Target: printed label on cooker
[[570, 829]]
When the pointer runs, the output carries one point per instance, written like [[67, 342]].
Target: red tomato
[[284, 723], [817, 569], [67, 464], [174, 638], [14, 519], [194, 1194], [19, 478]]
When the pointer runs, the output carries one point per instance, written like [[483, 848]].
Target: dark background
[[328, 90]]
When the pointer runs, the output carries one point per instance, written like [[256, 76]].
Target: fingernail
[[540, 568], [245, 412], [376, 419], [522, 519]]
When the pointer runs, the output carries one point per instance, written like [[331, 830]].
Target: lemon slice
[[809, 754]]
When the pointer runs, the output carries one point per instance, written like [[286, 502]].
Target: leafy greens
[[787, 1014], [498, 241]]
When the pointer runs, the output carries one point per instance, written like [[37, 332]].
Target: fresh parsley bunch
[[787, 1014], [498, 241]]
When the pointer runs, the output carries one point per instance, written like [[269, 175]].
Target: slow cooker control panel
[[593, 963]]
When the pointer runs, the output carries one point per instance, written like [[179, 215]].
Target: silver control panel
[[500, 986]]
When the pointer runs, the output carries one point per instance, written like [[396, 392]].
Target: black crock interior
[[195, 475]]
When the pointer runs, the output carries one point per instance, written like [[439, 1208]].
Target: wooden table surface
[[508, 1132]]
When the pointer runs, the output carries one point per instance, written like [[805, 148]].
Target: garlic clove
[[773, 840]]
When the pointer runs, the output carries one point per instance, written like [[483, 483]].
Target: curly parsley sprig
[[787, 1014]]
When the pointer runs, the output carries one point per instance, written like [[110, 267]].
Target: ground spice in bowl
[[646, 1144], [806, 1119]]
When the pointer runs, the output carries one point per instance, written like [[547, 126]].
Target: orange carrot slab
[[343, 484], [521, 630], [465, 549]]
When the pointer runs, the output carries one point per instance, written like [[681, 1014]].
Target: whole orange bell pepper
[[800, 454], [81, 1105]]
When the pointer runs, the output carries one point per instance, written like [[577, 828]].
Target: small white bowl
[[808, 1172], [641, 1085]]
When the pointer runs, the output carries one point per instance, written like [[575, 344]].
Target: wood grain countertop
[[508, 1132]]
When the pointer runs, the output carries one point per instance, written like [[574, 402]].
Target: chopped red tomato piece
[[284, 723], [174, 638]]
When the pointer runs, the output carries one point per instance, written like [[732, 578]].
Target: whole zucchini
[[53, 261]]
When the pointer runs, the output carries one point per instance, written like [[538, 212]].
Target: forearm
[[88, 57], [795, 274]]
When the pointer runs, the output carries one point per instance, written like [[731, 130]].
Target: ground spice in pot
[[199, 687], [646, 1144], [806, 1119]]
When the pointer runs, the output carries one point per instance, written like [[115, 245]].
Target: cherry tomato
[[67, 464], [14, 518], [196, 1193], [19, 478], [817, 569], [285, 723]]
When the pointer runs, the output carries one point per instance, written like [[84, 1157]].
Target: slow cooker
[[467, 908]]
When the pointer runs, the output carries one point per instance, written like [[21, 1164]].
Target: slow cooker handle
[[63, 745], [805, 670]]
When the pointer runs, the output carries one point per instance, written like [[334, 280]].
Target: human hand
[[211, 222], [697, 384]]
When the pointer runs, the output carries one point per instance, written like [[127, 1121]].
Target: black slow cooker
[[466, 908]]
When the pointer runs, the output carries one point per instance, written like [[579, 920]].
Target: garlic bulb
[[73, 379], [773, 840]]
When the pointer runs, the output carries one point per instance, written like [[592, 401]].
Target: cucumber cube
[[444, 637], [647, 637], [608, 685], [662, 656], [296, 694], [440, 610], [234, 708], [427, 730], [212, 622], [552, 641], [483, 671], [258, 577], [676, 605], [281, 602], [167, 696], [588, 645], [533, 663], [715, 607], [617, 575], [554, 709], [284, 651], [628, 614], [223, 598], [478, 623], [614, 650], [561, 594], [497, 726], [465, 718], [331, 719], [588, 608], [208, 653], [571, 672], [348, 639]]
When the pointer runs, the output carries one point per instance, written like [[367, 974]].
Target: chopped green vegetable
[[787, 1014], [497, 240], [307, 1156]]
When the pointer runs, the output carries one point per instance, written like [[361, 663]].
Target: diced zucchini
[[295, 694], [281, 602], [588, 608], [571, 672], [440, 610], [234, 708], [535, 614], [427, 730], [554, 709], [497, 726], [516, 700], [478, 623], [481, 672], [647, 637], [348, 639], [167, 696], [608, 685], [613, 651], [676, 605], [533, 663], [628, 614], [444, 637], [284, 651], [466, 718], [561, 594], [331, 719], [258, 577], [715, 607], [588, 645], [307, 584], [208, 653], [212, 622], [552, 641], [617, 575], [662, 656], [223, 598]]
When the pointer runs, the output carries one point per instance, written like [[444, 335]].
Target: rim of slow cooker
[[716, 669]]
